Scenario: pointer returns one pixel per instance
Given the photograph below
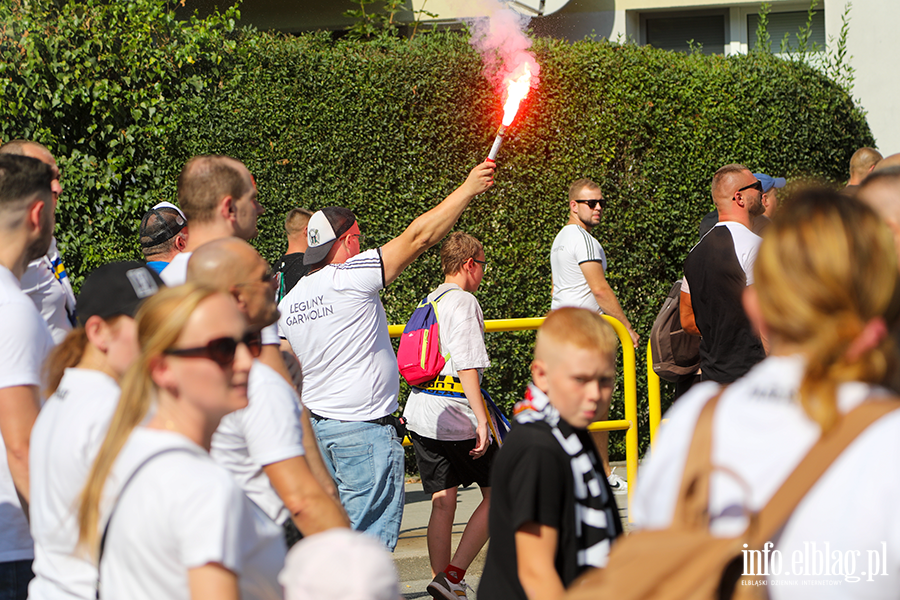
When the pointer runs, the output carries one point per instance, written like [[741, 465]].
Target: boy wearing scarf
[[553, 515]]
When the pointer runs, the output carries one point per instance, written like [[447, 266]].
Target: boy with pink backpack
[[447, 419]]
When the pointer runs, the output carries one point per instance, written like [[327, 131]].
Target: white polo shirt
[[24, 344], [572, 246], [337, 327]]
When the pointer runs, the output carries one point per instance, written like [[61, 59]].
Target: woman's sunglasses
[[221, 350]]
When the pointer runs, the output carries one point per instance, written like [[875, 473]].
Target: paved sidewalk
[[411, 554]]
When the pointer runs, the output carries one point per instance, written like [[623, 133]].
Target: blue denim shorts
[[366, 461]]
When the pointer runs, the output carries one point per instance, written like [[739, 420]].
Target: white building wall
[[874, 46]]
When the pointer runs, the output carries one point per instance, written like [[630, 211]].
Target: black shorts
[[445, 465]]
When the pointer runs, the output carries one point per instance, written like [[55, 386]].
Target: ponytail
[[64, 356]]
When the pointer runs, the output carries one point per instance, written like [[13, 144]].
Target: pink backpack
[[419, 355]]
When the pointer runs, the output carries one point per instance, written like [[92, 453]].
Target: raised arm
[[428, 229], [606, 298]]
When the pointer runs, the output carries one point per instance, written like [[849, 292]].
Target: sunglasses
[[756, 185], [592, 204], [480, 262], [221, 350]]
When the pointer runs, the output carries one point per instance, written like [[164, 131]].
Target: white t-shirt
[[461, 327], [53, 297], [336, 325], [24, 344], [572, 246], [182, 511], [176, 272], [267, 431], [64, 443], [746, 247], [761, 433]]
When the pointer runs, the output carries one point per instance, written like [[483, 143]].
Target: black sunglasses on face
[[221, 350], [756, 185], [592, 204]]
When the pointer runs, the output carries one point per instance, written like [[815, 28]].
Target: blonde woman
[[83, 375], [826, 276], [166, 520]]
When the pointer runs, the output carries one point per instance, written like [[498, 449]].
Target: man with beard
[[27, 207], [45, 280], [716, 272], [578, 268]]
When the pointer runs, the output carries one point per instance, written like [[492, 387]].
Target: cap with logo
[[324, 227], [116, 289], [161, 223], [768, 182]]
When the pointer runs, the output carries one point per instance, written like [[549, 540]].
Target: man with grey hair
[[716, 272], [27, 207], [46, 281]]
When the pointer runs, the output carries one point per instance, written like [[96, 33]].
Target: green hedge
[[124, 94]]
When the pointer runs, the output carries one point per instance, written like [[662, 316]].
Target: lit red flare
[[516, 91]]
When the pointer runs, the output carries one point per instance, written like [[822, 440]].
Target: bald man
[[716, 272], [861, 164], [262, 445]]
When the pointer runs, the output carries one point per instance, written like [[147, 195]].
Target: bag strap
[[825, 451], [692, 505], [112, 512]]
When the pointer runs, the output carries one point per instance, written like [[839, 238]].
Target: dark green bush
[[389, 127]]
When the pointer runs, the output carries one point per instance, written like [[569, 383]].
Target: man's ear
[[35, 211], [180, 242], [226, 208], [237, 293]]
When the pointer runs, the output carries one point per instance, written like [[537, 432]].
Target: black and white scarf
[[596, 515]]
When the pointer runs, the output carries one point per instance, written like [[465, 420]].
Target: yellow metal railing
[[653, 396], [629, 423]]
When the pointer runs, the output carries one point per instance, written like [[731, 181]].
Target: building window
[[789, 24], [679, 33]]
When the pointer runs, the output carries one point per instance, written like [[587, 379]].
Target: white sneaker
[[618, 485], [444, 589]]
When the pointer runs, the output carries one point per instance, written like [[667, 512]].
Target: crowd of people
[[201, 425]]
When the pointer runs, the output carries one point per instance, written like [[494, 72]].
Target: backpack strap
[[112, 512], [825, 451], [692, 505]]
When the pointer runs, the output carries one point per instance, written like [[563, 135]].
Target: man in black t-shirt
[[553, 515], [716, 272], [290, 268]]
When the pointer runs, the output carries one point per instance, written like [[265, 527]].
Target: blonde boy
[[553, 514]]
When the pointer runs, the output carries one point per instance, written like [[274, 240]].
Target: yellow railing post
[[653, 401], [629, 371]]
